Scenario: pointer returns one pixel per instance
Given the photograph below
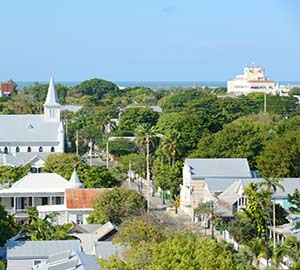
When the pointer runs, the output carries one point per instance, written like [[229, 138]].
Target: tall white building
[[34, 133], [253, 80]]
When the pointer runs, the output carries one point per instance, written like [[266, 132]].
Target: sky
[[139, 40]]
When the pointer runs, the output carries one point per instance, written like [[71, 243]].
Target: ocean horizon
[[150, 84]]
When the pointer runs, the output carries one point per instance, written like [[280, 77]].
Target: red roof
[[261, 81], [82, 198], [7, 87]]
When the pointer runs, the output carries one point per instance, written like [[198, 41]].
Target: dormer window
[[30, 126]]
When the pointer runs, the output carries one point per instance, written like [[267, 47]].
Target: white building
[[34, 133], [35, 190], [253, 80], [205, 178], [26, 255], [234, 199]]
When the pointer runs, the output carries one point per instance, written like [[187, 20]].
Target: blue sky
[[139, 40]]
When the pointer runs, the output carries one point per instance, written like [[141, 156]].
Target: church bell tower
[[51, 106]]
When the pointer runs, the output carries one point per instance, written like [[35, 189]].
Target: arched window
[[52, 149], [28, 149], [41, 149], [17, 149], [5, 150]]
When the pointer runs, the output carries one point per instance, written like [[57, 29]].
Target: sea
[[152, 84]]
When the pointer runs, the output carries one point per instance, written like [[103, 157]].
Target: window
[[58, 200], [44, 200], [35, 262], [52, 149], [28, 149], [41, 149], [5, 150], [79, 219], [17, 149]]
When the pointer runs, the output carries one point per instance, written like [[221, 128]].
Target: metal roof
[[39, 249], [105, 249], [38, 182], [21, 158], [218, 167], [22, 128], [69, 260]]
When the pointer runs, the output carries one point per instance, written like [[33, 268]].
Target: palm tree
[[272, 184], [257, 248], [170, 146], [290, 250]]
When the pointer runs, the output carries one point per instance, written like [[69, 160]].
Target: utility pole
[[107, 155], [192, 203], [91, 152], [148, 174], [129, 174], [212, 214], [265, 102], [76, 143], [274, 226]]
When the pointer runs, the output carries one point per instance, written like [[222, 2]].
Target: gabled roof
[[218, 167], [52, 98], [38, 183], [22, 158], [235, 190], [69, 260], [24, 128], [39, 249]]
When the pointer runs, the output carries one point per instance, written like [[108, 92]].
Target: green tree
[[185, 251], [133, 232], [242, 138], [116, 205], [290, 249], [281, 156], [98, 177], [99, 88], [8, 227], [131, 118], [168, 177], [43, 229], [63, 164], [122, 146], [294, 200], [13, 174]]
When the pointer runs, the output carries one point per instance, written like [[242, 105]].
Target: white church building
[[35, 133]]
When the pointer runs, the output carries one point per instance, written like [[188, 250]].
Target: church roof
[[28, 128], [52, 98]]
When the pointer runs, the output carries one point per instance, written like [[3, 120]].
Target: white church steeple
[[75, 181], [51, 106]]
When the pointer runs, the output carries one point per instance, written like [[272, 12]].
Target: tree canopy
[[116, 205]]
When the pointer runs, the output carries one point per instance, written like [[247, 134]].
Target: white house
[[205, 178], [77, 204], [25, 255], [34, 133], [253, 80], [234, 199], [34, 190]]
